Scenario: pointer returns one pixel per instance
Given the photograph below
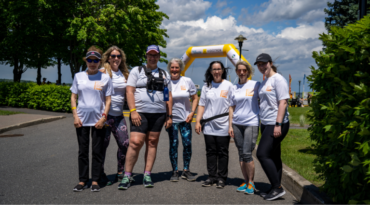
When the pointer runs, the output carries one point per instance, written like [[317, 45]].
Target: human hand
[[135, 118], [277, 131], [231, 131], [198, 128], [77, 122]]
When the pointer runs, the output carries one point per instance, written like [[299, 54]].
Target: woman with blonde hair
[[244, 122], [114, 61], [93, 90]]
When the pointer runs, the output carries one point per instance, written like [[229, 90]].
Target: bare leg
[[137, 140], [151, 149], [243, 166], [250, 171]]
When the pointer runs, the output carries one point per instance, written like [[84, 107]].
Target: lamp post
[[299, 89], [362, 5], [240, 39]]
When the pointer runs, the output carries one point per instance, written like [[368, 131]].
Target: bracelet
[[74, 108], [104, 115], [132, 110]]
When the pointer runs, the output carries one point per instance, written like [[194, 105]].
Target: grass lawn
[[296, 154], [295, 112], [5, 112]]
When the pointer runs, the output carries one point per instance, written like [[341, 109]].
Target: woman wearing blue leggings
[[182, 112]]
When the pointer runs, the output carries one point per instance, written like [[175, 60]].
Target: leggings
[[186, 134], [117, 126], [269, 153]]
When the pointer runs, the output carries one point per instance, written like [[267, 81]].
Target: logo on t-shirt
[[98, 86], [269, 88], [224, 93], [183, 87], [249, 92]]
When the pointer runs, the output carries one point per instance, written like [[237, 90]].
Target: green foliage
[[302, 120], [340, 113], [46, 97]]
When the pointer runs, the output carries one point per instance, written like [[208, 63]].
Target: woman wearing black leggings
[[274, 95]]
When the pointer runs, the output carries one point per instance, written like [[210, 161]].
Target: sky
[[288, 30]]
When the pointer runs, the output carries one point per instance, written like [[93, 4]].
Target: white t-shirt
[[146, 102], [91, 91], [182, 88], [216, 101], [245, 99], [271, 91], [118, 98]]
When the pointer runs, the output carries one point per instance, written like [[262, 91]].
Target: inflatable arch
[[213, 51]]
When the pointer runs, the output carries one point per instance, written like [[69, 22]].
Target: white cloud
[[303, 31], [306, 11], [183, 10], [221, 4]]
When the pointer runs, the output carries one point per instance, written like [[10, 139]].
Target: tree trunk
[[38, 79], [59, 70], [17, 71]]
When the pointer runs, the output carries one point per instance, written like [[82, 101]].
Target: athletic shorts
[[150, 122]]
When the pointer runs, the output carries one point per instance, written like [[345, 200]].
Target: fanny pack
[[203, 121]]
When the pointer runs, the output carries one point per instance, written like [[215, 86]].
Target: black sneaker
[[125, 183], [274, 194], [95, 188], [208, 182], [263, 194], [187, 175], [220, 184], [80, 187], [175, 176]]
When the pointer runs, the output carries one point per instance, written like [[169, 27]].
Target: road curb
[[30, 123], [303, 190]]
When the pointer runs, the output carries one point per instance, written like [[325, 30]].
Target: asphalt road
[[41, 167]]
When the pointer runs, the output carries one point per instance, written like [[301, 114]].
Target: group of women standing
[[157, 98]]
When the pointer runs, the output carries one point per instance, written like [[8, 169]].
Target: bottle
[[166, 95]]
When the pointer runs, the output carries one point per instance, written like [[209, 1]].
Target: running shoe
[[250, 189], [263, 194], [220, 184], [242, 187], [208, 182], [80, 187], [175, 176], [95, 188], [147, 181], [275, 194], [125, 183], [187, 175]]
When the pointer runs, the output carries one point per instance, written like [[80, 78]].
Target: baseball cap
[[152, 48], [93, 53], [263, 57]]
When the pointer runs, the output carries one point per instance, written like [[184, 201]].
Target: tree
[[341, 13], [131, 25], [340, 113]]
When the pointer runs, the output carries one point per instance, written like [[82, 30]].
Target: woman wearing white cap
[[93, 90], [150, 101], [274, 95]]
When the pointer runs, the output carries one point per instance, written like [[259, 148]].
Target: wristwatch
[[170, 116], [278, 124]]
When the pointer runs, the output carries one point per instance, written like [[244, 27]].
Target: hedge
[[340, 113], [45, 97]]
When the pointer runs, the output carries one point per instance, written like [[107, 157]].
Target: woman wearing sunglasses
[[94, 90], [114, 61], [244, 122]]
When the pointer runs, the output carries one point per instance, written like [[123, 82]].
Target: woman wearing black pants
[[274, 95]]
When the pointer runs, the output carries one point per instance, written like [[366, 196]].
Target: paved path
[[41, 167]]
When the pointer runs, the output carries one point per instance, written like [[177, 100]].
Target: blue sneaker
[[147, 181], [242, 187], [250, 189]]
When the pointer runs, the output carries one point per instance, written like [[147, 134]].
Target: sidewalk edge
[[29, 123], [303, 190]]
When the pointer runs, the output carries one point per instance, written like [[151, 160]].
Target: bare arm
[[198, 126], [103, 119], [168, 123], [281, 112], [135, 117], [77, 122], [231, 113], [195, 100]]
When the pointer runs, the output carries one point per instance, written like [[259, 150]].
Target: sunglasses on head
[[114, 56], [93, 60]]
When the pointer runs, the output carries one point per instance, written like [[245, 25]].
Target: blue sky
[[286, 29]]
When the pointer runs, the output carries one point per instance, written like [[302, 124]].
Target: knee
[[152, 143], [246, 158], [261, 155], [136, 144]]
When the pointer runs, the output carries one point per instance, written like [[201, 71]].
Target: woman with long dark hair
[[274, 95], [213, 121]]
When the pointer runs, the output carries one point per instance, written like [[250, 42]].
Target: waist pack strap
[[203, 121]]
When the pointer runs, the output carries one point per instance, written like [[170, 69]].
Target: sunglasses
[[93, 60], [114, 56]]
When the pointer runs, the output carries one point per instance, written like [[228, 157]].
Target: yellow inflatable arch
[[213, 51]]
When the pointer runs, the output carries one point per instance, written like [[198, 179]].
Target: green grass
[[5, 112], [295, 112], [296, 154]]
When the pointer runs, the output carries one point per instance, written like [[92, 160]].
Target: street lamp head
[[240, 38], [299, 81]]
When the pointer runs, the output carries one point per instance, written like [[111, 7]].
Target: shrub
[[340, 113], [47, 97]]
